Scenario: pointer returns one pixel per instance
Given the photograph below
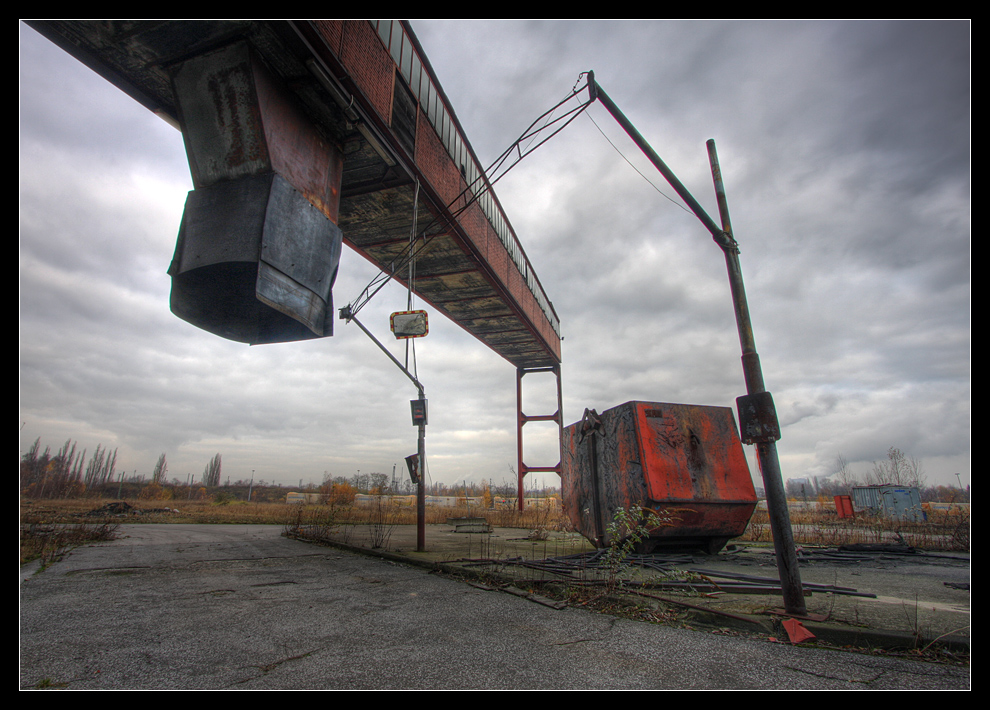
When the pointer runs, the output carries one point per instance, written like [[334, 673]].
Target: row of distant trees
[[67, 473]]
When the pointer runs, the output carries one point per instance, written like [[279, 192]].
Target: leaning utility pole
[[419, 420], [757, 417]]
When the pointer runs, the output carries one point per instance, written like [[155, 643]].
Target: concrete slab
[[883, 600]]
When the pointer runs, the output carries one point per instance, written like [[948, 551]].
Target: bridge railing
[[405, 52]]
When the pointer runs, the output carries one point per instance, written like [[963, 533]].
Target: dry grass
[[51, 527], [941, 531], [171, 511], [77, 512], [538, 521]]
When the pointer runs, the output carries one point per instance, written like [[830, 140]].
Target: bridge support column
[[522, 418], [258, 248]]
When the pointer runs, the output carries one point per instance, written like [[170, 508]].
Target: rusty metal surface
[[757, 418], [239, 120], [258, 248], [686, 460], [255, 262]]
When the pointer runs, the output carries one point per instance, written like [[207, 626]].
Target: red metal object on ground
[[796, 631], [844, 507], [677, 459]]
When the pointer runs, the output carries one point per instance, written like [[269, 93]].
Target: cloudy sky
[[845, 152]]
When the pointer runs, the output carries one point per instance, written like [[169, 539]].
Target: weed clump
[[47, 535]]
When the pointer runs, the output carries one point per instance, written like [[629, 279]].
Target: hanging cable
[[412, 238], [496, 171], [650, 182], [412, 274]]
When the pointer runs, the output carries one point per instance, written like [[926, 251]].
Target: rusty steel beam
[[758, 398], [521, 420]]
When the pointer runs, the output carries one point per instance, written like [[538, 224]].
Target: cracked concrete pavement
[[241, 607]]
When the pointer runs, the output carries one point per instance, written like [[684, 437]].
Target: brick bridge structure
[[306, 135]]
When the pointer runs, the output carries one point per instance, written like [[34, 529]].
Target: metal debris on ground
[[585, 562], [581, 568], [796, 631], [742, 582], [871, 553]]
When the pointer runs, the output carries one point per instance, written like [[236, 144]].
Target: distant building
[[902, 502], [296, 497]]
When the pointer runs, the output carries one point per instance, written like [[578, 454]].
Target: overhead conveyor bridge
[[368, 89], [305, 134]]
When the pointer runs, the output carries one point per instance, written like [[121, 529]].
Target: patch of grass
[[80, 510], [940, 531], [239, 512]]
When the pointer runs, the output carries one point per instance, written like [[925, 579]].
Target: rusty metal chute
[[239, 271], [258, 248]]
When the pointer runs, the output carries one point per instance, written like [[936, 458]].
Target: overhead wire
[[498, 169], [412, 278], [623, 156]]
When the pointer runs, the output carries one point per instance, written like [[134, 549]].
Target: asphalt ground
[[244, 607]]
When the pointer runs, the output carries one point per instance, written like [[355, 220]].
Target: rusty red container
[[684, 461]]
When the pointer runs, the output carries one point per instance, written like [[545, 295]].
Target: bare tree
[[378, 483], [101, 468], [47, 476], [845, 478], [161, 469], [361, 482], [898, 470], [211, 474]]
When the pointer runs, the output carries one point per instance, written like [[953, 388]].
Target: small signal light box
[[418, 411]]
